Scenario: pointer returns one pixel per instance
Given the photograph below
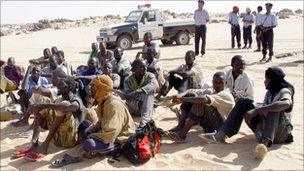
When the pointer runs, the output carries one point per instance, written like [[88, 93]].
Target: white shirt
[[248, 17], [201, 17], [242, 85], [269, 20], [258, 19], [234, 18]]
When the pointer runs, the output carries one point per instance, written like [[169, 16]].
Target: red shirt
[[13, 73]]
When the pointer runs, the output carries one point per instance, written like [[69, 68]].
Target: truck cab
[[136, 24]]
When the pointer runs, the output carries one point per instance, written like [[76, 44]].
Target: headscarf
[[103, 86], [277, 82]]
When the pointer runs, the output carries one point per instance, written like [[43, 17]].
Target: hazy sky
[[32, 11]]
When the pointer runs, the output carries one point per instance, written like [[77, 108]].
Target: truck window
[[150, 15], [133, 16]]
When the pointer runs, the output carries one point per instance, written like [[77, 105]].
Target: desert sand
[[195, 154]]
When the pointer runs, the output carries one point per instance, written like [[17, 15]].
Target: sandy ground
[[194, 155]]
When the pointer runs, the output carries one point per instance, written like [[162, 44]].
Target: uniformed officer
[[248, 20], [201, 18], [234, 18], [269, 21], [257, 30]]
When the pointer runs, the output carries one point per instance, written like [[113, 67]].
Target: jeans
[[274, 127]]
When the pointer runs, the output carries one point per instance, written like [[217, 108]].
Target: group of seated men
[[61, 99]]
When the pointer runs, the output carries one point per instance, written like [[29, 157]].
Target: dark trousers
[[200, 33], [247, 35], [274, 128], [258, 37], [267, 42], [235, 32]]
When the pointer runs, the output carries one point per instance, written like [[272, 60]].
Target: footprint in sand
[[160, 164]]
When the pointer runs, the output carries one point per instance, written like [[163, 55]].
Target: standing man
[[269, 21], [248, 20], [257, 30], [201, 18], [234, 18]]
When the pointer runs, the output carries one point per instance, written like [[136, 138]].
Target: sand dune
[[193, 155]]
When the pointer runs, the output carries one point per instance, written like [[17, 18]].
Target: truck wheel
[[167, 42], [182, 38], [124, 42]]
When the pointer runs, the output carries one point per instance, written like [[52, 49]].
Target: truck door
[[150, 22]]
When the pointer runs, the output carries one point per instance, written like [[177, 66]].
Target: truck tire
[[182, 38], [167, 42], [124, 42]]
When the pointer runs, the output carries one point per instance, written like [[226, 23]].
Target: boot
[[269, 59]]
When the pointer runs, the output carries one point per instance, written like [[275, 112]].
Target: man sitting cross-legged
[[139, 89], [208, 108], [114, 124], [61, 118]]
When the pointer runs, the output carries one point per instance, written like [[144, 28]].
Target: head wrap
[[277, 82], [103, 86]]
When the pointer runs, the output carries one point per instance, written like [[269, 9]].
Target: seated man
[[90, 72], [63, 63], [54, 50], [208, 108], [94, 51], [148, 45], [104, 55], [269, 122], [139, 89], [29, 83], [114, 124], [51, 67], [42, 61], [61, 118], [238, 81], [154, 66], [121, 66], [10, 76], [187, 76], [107, 70], [41, 94]]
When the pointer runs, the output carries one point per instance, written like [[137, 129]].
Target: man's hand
[[133, 94], [176, 100], [249, 115]]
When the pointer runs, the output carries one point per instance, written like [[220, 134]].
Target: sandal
[[209, 137], [19, 153], [175, 137], [33, 156], [66, 159]]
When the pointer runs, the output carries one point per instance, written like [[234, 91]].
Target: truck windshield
[[133, 16]]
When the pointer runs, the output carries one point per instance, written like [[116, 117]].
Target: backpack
[[142, 145]]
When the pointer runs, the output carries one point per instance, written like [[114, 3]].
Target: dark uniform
[[269, 21]]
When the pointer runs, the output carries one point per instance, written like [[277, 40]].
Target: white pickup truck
[[144, 20]]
